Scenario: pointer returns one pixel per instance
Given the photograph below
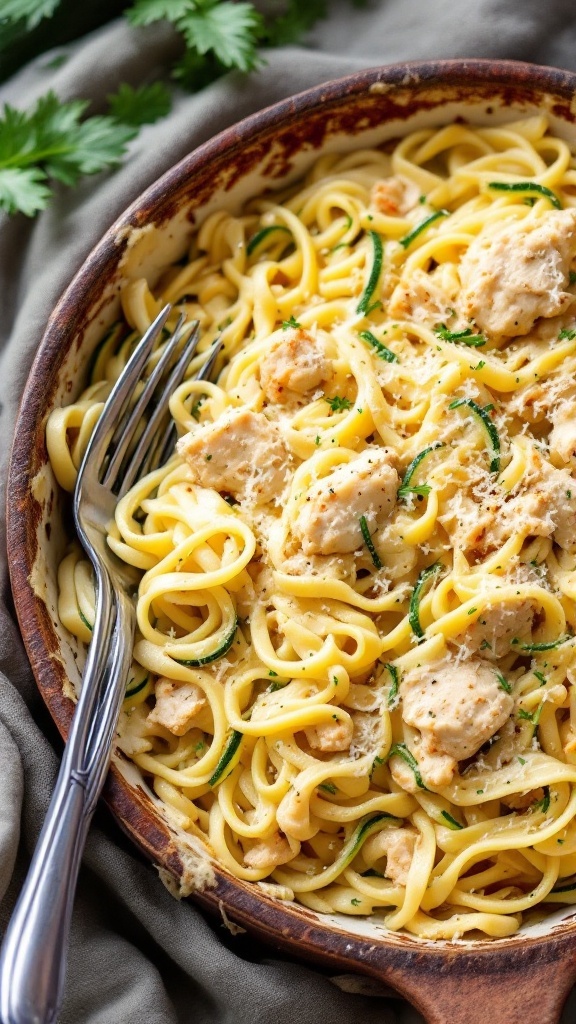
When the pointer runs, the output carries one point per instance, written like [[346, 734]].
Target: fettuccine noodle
[[355, 666]]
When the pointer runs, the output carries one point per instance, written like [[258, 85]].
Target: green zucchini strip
[[401, 750], [259, 237], [414, 609], [450, 821], [133, 690], [369, 543], [489, 427], [526, 186], [546, 646], [85, 620], [375, 272], [422, 226], [230, 749], [214, 655], [406, 487], [393, 694], [366, 827], [381, 350]]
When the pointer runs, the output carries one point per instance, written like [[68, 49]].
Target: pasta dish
[[355, 667]]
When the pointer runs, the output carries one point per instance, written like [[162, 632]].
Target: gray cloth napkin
[[136, 954]]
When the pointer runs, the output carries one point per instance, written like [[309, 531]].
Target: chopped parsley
[[467, 337], [338, 404], [292, 322]]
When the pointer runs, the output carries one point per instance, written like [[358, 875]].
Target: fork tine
[[144, 457], [118, 399], [159, 453], [128, 424]]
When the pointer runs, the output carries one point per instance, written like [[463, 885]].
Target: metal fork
[[33, 956]]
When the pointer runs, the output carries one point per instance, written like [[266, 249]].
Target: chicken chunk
[[269, 853], [515, 274], [177, 705], [394, 196], [397, 845], [556, 490], [455, 707], [295, 366], [419, 298], [241, 453], [328, 522], [436, 768], [330, 736], [497, 626], [562, 438], [467, 523]]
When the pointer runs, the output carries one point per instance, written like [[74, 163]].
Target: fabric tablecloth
[[136, 953]]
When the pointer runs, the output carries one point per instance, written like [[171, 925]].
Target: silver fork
[[33, 955]]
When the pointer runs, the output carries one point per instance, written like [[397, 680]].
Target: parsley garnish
[[503, 683], [292, 322], [225, 30], [355, 902], [467, 337], [50, 141], [567, 333], [338, 404], [140, 106]]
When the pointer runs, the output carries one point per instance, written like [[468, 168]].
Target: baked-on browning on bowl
[[525, 977]]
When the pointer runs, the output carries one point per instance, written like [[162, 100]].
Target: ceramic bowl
[[519, 980]]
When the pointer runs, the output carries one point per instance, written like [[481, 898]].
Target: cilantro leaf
[[34, 11], [51, 141], [226, 30], [23, 190], [229, 30], [144, 12], [296, 20], [140, 106]]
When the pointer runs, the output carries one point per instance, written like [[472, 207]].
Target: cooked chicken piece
[[269, 853], [419, 298], [241, 453], [328, 522], [397, 845], [177, 705], [466, 522], [528, 513], [456, 708], [513, 275], [295, 365], [520, 801], [394, 196], [557, 489], [562, 438], [330, 736], [436, 769], [497, 626]]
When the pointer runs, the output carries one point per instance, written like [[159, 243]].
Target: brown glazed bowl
[[519, 980]]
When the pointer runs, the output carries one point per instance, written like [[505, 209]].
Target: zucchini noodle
[[354, 672]]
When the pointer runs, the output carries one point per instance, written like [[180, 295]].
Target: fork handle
[[33, 956]]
